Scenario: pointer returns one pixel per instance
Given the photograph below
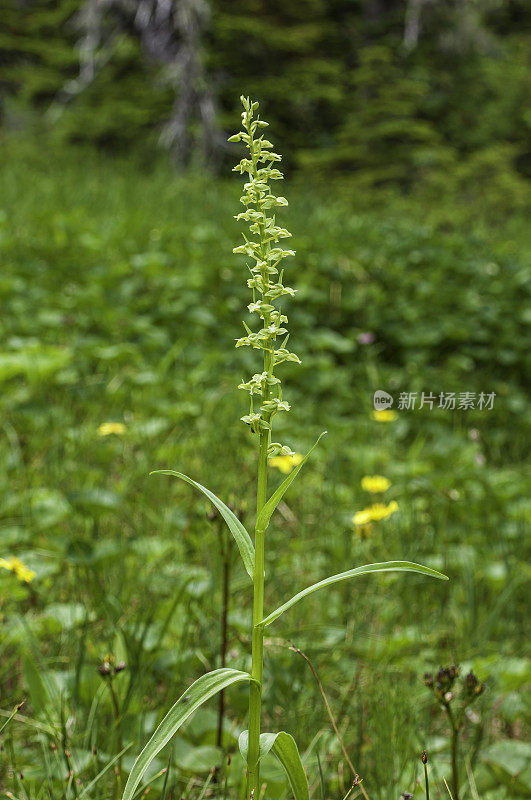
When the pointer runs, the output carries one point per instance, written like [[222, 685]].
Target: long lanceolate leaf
[[386, 566], [267, 511], [199, 692], [241, 537], [283, 747]]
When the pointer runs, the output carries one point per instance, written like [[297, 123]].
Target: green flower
[[266, 279]]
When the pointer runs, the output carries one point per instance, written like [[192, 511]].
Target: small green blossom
[[266, 281]]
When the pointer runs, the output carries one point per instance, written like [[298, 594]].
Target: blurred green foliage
[[121, 301]]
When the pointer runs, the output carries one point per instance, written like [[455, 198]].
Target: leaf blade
[[283, 746], [199, 692], [241, 537], [385, 566], [286, 751], [267, 511]]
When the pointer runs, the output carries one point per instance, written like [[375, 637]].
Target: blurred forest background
[[393, 92], [405, 129]]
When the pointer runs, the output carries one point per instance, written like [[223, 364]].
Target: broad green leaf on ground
[[282, 745], [34, 361], [199, 692], [385, 566], [510, 763], [267, 511], [241, 537]]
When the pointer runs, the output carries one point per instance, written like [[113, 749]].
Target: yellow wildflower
[[362, 517], [286, 463], [381, 511], [384, 415], [375, 513], [106, 428], [375, 483], [13, 564]]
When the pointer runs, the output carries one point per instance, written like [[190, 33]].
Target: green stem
[[255, 690], [454, 755], [117, 715], [455, 774]]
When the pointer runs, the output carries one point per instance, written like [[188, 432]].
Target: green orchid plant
[[265, 255]]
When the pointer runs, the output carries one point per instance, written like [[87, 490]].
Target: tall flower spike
[[266, 280]]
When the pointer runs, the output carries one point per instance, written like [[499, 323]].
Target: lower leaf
[[199, 692], [282, 745]]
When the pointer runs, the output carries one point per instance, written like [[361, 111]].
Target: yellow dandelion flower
[[362, 517], [381, 511], [375, 483], [15, 565], [286, 463], [375, 513], [107, 428], [384, 415]]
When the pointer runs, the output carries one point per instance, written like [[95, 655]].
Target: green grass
[[120, 302]]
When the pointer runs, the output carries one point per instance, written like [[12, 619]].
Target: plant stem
[[117, 714], [427, 782], [255, 690], [455, 776], [453, 747]]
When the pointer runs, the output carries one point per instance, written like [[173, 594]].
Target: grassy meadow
[[121, 301]]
